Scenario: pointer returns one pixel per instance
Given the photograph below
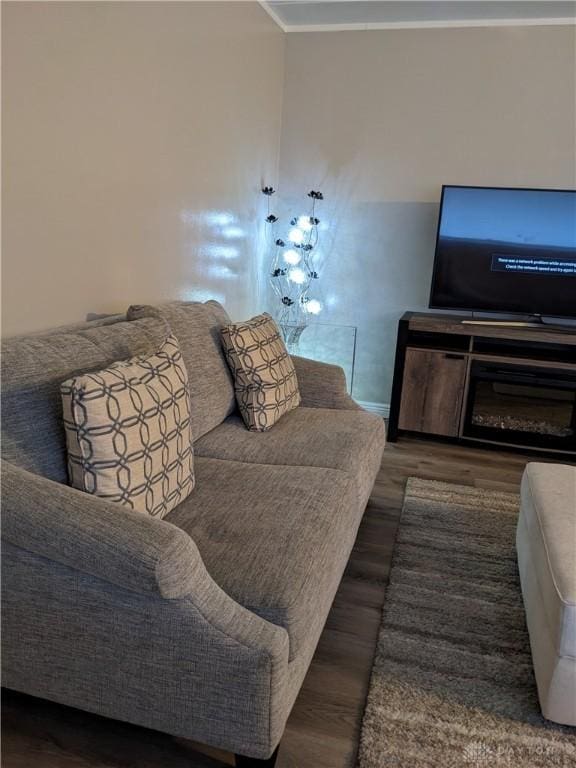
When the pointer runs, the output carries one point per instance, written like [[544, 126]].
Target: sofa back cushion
[[34, 367], [197, 327]]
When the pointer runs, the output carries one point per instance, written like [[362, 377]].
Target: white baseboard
[[381, 409]]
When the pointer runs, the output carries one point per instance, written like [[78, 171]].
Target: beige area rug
[[452, 684]]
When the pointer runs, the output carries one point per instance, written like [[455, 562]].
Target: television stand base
[[491, 381]]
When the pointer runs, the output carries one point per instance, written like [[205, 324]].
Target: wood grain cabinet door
[[432, 392]]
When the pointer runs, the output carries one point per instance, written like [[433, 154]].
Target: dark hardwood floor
[[323, 729]]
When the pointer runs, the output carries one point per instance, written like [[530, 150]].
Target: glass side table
[[326, 343]]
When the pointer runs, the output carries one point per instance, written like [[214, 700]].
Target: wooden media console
[[487, 383]]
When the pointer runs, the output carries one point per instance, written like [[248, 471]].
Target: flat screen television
[[509, 251]]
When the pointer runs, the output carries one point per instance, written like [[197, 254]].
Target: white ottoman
[[546, 545]]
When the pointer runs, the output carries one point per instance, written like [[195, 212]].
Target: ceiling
[[299, 15]]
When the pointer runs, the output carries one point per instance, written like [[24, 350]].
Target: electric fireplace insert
[[521, 405]]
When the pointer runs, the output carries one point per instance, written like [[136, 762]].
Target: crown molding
[[452, 24], [273, 15], [391, 25]]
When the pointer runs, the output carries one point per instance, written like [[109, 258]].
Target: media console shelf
[[491, 384]]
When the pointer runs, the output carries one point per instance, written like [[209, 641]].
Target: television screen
[[506, 251]]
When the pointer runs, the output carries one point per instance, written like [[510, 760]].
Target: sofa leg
[[252, 762]]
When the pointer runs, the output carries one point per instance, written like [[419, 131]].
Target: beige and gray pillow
[[265, 380], [128, 431]]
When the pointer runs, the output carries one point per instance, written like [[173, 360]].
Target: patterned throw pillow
[[264, 376], [128, 431]]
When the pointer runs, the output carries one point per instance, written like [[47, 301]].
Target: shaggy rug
[[452, 684]]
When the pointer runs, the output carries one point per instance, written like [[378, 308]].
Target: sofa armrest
[[322, 385], [200, 666], [97, 537]]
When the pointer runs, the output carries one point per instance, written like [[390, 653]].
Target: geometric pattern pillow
[[265, 380], [128, 431]]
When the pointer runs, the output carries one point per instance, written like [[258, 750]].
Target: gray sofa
[[202, 624]]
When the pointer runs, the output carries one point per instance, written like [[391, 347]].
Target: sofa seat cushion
[[351, 441], [276, 539], [548, 519]]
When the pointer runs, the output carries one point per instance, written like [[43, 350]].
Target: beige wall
[[135, 140], [379, 120], [136, 137]]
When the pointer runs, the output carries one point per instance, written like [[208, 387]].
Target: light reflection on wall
[[213, 268], [202, 294], [233, 233], [222, 271], [218, 218], [211, 252], [331, 300]]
